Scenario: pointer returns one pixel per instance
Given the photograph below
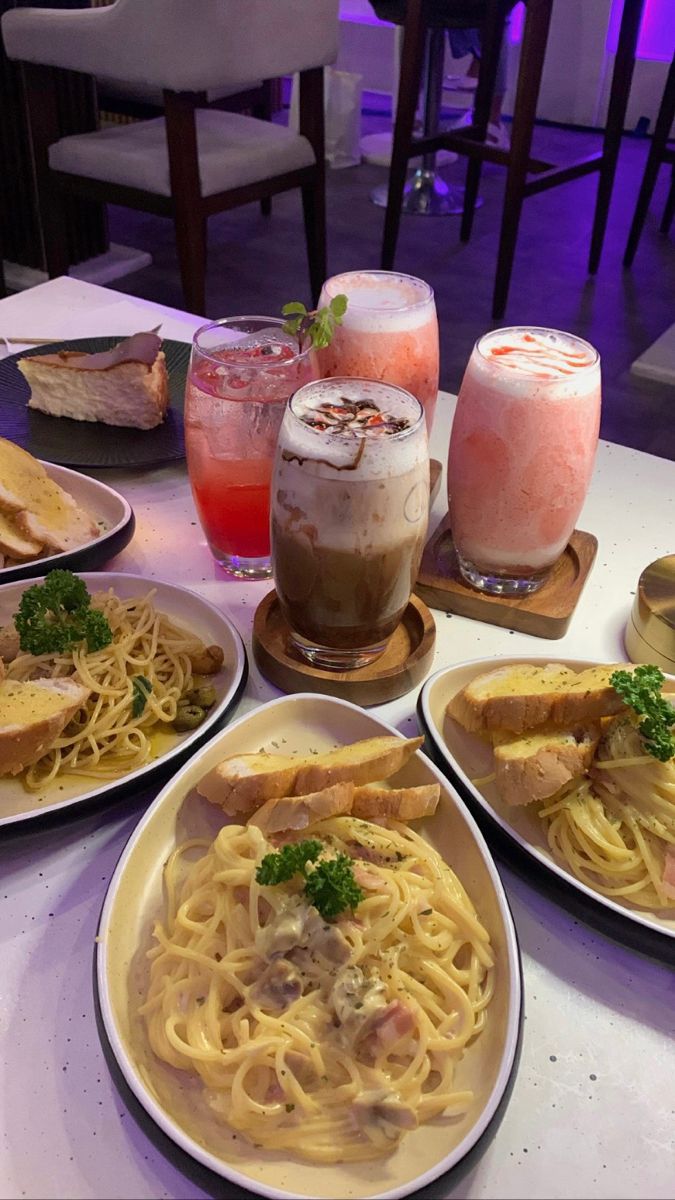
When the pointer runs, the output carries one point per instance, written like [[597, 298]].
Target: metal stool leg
[[427, 195]]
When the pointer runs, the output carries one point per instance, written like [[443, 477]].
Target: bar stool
[[471, 140], [659, 153], [427, 194]]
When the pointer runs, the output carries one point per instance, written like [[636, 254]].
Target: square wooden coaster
[[546, 613]]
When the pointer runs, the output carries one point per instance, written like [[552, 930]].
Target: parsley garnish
[[330, 886], [641, 690], [291, 860], [318, 324], [57, 614], [142, 688]]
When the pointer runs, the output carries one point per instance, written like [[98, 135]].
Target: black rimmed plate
[[134, 899], [186, 609], [107, 508], [517, 834], [91, 443]]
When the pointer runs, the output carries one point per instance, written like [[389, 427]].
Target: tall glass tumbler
[[389, 332], [521, 455], [242, 372], [350, 501]]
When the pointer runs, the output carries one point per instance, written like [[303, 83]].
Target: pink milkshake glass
[[521, 454], [389, 333]]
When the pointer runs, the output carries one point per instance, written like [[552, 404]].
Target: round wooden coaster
[[404, 663]]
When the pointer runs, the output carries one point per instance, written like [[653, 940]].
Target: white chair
[[194, 161]]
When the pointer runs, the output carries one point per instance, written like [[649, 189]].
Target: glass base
[[242, 567], [500, 584], [330, 659]]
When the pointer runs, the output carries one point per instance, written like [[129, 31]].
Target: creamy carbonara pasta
[[329, 1039]]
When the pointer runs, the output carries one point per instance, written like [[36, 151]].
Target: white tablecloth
[[593, 1107]]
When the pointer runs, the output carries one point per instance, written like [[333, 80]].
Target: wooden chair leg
[[533, 50], [42, 105], [616, 114], [412, 56], [664, 121], [492, 33], [311, 125], [190, 230], [314, 211], [669, 210], [264, 111], [189, 219]]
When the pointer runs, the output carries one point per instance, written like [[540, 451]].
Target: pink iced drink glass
[[521, 454], [388, 333]]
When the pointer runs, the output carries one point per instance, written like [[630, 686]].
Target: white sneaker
[[497, 134]]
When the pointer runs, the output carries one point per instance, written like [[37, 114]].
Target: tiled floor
[[256, 264]]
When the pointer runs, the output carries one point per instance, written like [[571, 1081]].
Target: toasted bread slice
[[521, 697], [298, 812], [43, 512], [13, 543], [401, 804], [361, 762], [536, 766], [242, 783], [32, 716]]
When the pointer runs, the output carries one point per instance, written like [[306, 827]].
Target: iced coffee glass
[[521, 455], [389, 332], [350, 500]]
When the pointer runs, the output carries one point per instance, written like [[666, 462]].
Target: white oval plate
[[111, 512], [517, 833], [188, 609], [298, 723]]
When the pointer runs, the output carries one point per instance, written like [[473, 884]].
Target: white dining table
[[592, 1112]]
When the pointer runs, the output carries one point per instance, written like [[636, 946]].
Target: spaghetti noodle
[[330, 1040], [616, 829]]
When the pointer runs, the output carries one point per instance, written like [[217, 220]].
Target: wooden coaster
[[403, 665], [546, 613]]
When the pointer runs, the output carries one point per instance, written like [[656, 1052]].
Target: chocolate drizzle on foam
[[360, 419]]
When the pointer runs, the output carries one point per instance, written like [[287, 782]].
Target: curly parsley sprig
[[318, 325], [641, 690], [329, 885], [57, 614]]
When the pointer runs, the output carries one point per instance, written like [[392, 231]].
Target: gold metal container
[[650, 633]]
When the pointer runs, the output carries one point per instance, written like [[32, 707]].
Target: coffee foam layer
[[348, 454], [521, 357], [381, 302]]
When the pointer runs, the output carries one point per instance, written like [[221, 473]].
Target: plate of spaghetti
[[107, 682], [307, 968], [568, 768]]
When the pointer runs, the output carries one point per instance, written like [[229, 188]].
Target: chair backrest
[[182, 45]]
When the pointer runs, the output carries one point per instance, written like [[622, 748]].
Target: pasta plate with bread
[[103, 680], [575, 762], [310, 979]]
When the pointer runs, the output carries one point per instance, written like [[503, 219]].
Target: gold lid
[[654, 606]]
